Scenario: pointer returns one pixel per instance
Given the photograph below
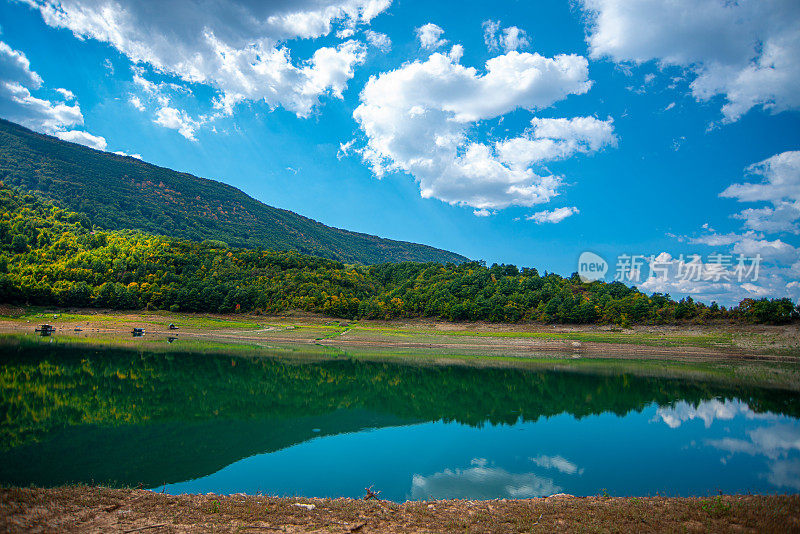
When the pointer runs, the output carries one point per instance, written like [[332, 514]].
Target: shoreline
[[764, 356], [100, 509], [696, 343]]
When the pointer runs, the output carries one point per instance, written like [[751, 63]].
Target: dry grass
[[91, 509]]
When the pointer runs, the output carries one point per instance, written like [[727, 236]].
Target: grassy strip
[[320, 329], [154, 318], [188, 321]]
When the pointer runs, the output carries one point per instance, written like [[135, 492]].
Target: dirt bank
[[91, 509]]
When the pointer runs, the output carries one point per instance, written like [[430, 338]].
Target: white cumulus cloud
[[18, 104], [429, 36], [83, 138], [511, 38], [122, 153], [781, 175], [554, 139], [747, 51], [238, 48], [552, 216], [379, 40], [136, 102], [779, 270], [780, 186], [176, 119], [418, 119], [66, 93], [727, 275]]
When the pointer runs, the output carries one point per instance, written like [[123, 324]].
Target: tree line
[[52, 256]]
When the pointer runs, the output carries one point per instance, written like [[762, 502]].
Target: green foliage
[[66, 263], [715, 507], [118, 192], [775, 311]]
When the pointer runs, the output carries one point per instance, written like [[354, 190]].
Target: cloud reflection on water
[[483, 482], [779, 443], [707, 411], [557, 462], [773, 442]]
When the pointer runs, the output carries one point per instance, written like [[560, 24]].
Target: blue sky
[[514, 132]]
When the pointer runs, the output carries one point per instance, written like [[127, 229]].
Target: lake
[[331, 425]]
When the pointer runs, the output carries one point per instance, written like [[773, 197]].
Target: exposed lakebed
[[331, 425]]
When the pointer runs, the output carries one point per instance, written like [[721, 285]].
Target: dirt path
[[90, 509]]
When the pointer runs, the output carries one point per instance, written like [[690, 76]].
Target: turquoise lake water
[[182, 422]]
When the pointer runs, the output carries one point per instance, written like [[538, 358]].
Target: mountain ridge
[[121, 192]]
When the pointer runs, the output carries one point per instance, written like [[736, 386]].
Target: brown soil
[[92, 509]]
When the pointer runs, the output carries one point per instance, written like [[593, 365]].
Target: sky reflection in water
[[331, 426], [719, 445]]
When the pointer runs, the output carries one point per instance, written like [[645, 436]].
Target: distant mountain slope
[[118, 192]]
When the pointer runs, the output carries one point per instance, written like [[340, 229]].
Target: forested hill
[[119, 192], [49, 255]]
